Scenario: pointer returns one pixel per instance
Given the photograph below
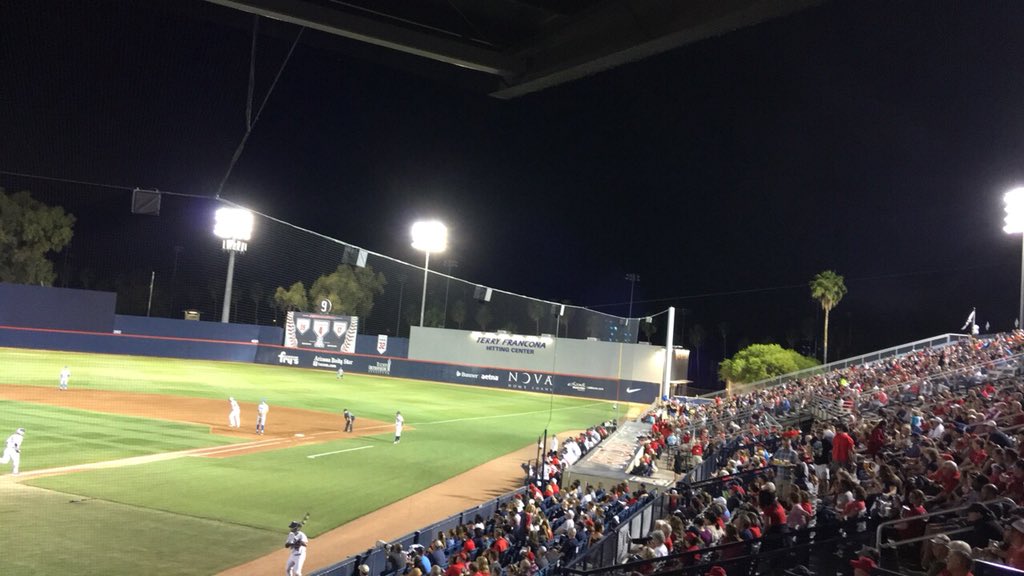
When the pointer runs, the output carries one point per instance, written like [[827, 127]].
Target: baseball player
[[350, 420], [341, 373], [65, 375], [261, 416], [297, 541], [399, 421], [12, 453], [235, 416]]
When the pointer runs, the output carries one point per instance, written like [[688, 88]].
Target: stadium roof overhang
[[526, 45]]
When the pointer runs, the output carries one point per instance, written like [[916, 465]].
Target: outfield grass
[[57, 436], [453, 428], [46, 533]]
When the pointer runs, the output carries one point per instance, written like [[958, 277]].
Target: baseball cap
[[295, 524], [940, 539], [863, 564], [980, 508], [20, 431], [364, 569], [716, 571]]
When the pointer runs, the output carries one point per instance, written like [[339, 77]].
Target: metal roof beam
[[621, 31], [364, 29]]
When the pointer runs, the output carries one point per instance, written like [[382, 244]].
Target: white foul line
[[311, 456]]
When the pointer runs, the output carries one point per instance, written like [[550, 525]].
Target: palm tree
[[828, 289]]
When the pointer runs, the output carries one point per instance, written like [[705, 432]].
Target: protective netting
[[116, 250]]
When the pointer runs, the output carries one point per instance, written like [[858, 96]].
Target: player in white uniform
[[12, 453], [399, 421], [261, 416], [235, 416], [65, 375], [341, 373], [297, 541]]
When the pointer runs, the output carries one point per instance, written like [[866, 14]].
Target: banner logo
[[632, 390], [382, 343], [302, 325], [380, 368], [284, 358]]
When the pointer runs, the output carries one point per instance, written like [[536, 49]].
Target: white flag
[[970, 319]]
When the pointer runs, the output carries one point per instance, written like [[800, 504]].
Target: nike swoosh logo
[[631, 390]]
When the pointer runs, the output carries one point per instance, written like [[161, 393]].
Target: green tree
[[350, 289], [458, 313], [483, 317], [828, 289], [29, 231], [433, 316], [293, 298], [760, 361], [535, 310]]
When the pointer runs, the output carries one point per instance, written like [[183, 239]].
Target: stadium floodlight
[[234, 227], [428, 236], [1014, 224]]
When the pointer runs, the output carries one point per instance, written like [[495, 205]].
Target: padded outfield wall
[[544, 382]]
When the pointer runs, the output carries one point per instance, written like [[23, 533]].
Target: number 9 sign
[[325, 306]]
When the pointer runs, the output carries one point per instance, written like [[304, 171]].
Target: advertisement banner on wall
[[321, 332], [523, 380]]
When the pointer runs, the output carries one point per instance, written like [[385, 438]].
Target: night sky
[[872, 138]]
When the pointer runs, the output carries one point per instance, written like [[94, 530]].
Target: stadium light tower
[[1014, 200], [234, 227], [428, 236]]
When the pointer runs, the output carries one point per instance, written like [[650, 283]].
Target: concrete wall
[[636, 362]]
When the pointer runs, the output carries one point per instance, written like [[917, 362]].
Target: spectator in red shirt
[[842, 447]]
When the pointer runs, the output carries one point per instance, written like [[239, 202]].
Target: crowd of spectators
[[543, 527], [935, 432]]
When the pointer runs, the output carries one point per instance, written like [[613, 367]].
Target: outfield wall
[[134, 345], [542, 381], [48, 307], [635, 362]]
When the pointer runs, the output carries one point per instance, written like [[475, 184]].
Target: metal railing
[[933, 342], [879, 545]]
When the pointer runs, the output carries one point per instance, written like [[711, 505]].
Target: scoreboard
[[321, 332]]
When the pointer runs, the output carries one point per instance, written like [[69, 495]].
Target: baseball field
[[134, 469]]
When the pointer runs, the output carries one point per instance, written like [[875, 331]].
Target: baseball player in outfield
[[261, 416], [235, 416], [65, 375], [399, 421], [12, 453], [297, 541]]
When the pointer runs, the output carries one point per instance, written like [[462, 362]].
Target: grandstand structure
[[932, 473]]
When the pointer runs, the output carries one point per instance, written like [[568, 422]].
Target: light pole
[[234, 227], [428, 236], [633, 278], [1014, 200]]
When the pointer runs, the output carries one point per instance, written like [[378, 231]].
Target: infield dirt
[[282, 423]]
